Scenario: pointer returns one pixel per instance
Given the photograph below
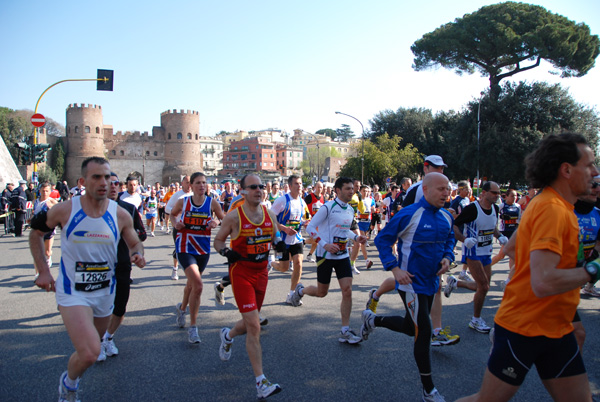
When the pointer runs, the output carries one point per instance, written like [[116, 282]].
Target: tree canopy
[[504, 39]]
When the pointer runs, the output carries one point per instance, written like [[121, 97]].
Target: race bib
[[484, 237], [196, 220], [258, 247], [90, 276], [341, 242], [293, 224], [363, 217]]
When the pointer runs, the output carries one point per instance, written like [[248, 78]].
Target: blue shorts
[[364, 226], [513, 355], [485, 259], [151, 215], [187, 259]]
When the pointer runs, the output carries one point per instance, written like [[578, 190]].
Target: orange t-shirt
[[168, 196], [548, 224]]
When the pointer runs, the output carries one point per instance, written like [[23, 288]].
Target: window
[[76, 129], [155, 153], [272, 164], [253, 156], [189, 136], [196, 136], [169, 135], [122, 153], [86, 129], [97, 130], [179, 136], [147, 153], [244, 157], [271, 155], [114, 152]]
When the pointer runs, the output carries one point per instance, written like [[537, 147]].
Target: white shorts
[[102, 306]]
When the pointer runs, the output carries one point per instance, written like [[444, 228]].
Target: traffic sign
[[38, 120]]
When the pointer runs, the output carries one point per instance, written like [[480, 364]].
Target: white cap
[[435, 160]]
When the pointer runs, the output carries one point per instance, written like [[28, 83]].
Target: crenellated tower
[[85, 137], [182, 146]]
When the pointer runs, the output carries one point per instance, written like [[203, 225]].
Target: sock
[[375, 296], [175, 268], [431, 389], [259, 379], [352, 263], [345, 329], [476, 319], [71, 385], [436, 331], [227, 338]]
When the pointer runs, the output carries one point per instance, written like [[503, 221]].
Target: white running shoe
[[588, 289], [225, 348], [368, 325], [310, 258], [480, 326], [434, 396], [168, 231], [296, 297], [110, 347], [450, 286], [349, 337], [65, 394], [102, 356], [152, 234], [465, 276], [180, 320], [368, 264], [174, 275], [355, 270], [289, 300], [219, 294], [193, 336], [265, 389]]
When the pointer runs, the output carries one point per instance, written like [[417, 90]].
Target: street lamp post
[[362, 157]]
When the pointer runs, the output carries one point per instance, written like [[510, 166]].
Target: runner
[[364, 221], [330, 228], [44, 203], [151, 211], [456, 207], [179, 194], [314, 201], [192, 217], [85, 283], [510, 215], [425, 243], [252, 229], [533, 325]]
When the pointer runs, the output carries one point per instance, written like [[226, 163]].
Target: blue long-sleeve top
[[425, 236]]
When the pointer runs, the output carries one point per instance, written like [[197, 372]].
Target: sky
[[245, 65]]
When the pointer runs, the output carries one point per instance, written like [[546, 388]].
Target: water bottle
[[278, 238]]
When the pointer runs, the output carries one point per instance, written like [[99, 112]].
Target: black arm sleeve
[[308, 199], [409, 199], [468, 214], [38, 222], [139, 227]]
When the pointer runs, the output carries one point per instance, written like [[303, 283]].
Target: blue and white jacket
[[425, 236]]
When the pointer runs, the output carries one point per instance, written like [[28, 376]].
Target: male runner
[[456, 206], [425, 244], [330, 228], [533, 324], [252, 230], [510, 215], [480, 220], [290, 210], [179, 194], [92, 226], [122, 274]]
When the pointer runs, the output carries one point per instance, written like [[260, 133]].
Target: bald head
[[436, 189]]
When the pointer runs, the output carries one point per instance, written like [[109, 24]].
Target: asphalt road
[[300, 347]]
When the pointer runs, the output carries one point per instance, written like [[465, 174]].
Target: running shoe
[[168, 231], [66, 394], [450, 286], [174, 275], [368, 264], [349, 337], [590, 290], [434, 396], [193, 336], [102, 356], [465, 276], [443, 338], [368, 324], [310, 258], [296, 297], [372, 303], [225, 348], [265, 389], [219, 294], [180, 316], [355, 270], [480, 326], [263, 321], [151, 234], [110, 347]]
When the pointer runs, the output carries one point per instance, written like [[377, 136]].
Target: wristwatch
[[224, 251], [592, 270]]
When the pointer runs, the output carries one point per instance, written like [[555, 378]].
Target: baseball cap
[[435, 160], [22, 181]]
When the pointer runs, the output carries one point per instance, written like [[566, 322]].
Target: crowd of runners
[[420, 231]]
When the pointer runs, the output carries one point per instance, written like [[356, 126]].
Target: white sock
[[259, 379], [345, 329], [436, 331], [71, 384]]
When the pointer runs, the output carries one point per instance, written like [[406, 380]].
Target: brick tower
[[182, 146]]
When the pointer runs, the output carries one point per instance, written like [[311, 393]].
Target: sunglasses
[[114, 182], [255, 186], [595, 184]]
